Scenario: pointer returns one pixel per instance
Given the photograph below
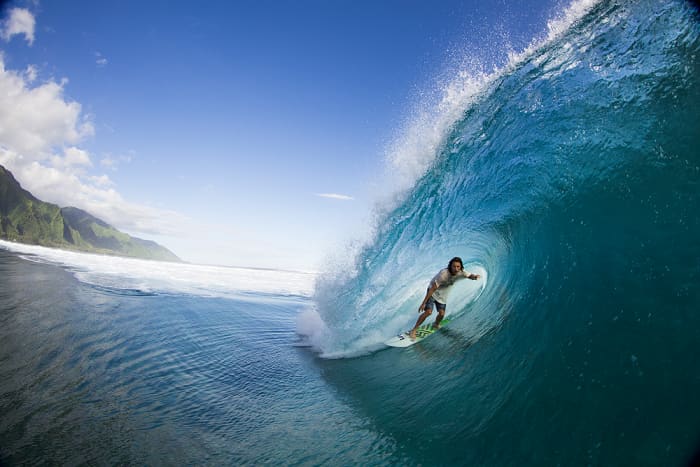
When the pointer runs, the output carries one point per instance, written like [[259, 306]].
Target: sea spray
[[370, 293]]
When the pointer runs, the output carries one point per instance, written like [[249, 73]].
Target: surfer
[[437, 292]]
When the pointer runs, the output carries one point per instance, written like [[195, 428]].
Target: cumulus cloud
[[40, 133], [335, 196], [20, 21], [35, 119], [72, 157], [97, 196]]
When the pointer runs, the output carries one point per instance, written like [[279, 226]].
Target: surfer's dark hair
[[456, 258]]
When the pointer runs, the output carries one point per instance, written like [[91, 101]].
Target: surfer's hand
[[474, 276]]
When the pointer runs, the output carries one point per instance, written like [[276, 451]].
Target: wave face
[[571, 179]]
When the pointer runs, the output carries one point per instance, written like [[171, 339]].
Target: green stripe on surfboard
[[403, 340], [427, 329]]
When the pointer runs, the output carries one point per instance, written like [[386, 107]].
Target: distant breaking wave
[[144, 276]]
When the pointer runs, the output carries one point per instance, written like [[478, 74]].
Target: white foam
[[157, 276], [419, 142]]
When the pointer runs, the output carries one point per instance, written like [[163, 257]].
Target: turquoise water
[[570, 179]]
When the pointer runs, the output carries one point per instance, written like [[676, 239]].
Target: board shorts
[[432, 302]]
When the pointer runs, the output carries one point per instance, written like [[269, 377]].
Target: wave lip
[[422, 140]]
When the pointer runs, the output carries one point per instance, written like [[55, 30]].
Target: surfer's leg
[[427, 312], [441, 314], [438, 318]]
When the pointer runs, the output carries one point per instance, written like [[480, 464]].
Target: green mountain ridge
[[26, 219]]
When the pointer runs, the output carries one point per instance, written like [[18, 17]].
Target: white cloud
[[95, 195], [39, 136], [72, 157], [112, 162], [30, 74], [101, 61], [75, 156], [102, 181], [108, 162], [335, 196], [20, 21], [34, 119]]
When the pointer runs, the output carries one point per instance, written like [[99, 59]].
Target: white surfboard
[[403, 339]]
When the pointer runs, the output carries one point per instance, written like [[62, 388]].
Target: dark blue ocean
[[569, 178]]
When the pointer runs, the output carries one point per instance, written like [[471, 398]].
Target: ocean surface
[[569, 178]]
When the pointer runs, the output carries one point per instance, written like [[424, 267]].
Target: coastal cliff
[[26, 219]]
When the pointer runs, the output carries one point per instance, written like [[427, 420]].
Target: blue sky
[[216, 128]]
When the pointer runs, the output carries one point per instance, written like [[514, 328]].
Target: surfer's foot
[[436, 326], [412, 334]]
